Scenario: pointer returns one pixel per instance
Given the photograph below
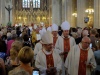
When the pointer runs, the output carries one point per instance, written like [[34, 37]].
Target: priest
[[47, 60], [64, 43], [54, 29], [80, 60]]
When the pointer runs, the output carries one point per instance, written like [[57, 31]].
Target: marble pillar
[[81, 7], [56, 12], [96, 14]]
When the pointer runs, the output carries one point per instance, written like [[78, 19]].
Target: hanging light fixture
[[74, 14], [90, 10]]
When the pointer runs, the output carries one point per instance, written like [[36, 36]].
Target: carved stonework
[[30, 15]]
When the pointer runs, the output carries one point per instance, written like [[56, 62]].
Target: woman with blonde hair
[[17, 44], [25, 56], [14, 56], [12, 61], [15, 48]]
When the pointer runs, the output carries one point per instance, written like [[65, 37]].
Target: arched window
[[31, 3]]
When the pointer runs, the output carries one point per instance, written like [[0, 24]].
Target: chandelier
[[89, 10]]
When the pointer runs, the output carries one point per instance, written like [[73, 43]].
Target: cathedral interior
[[79, 13]]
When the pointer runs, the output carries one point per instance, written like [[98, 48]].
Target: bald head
[[85, 33], [85, 42], [86, 38]]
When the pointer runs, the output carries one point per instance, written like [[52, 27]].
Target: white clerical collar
[[46, 52], [80, 46], [64, 37], [56, 36]]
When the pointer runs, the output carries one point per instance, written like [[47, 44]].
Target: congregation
[[53, 50]]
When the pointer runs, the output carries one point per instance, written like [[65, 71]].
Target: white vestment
[[56, 40], [59, 47], [73, 58], [42, 65], [37, 48]]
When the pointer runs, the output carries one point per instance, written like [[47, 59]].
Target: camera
[[36, 72], [90, 45]]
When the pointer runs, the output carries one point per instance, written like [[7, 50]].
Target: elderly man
[[47, 60], [80, 60], [38, 46]]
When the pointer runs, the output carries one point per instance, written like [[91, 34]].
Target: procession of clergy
[[58, 53]]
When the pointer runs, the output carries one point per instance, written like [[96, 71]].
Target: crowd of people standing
[[54, 50]]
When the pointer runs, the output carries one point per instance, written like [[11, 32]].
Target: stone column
[[56, 12], [13, 12], [2, 12], [69, 11], [96, 14], [81, 7], [50, 12], [63, 10]]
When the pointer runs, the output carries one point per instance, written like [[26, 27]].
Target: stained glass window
[[31, 3]]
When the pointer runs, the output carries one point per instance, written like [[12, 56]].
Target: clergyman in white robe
[[59, 46], [60, 43], [72, 61], [41, 61], [37, 48]]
